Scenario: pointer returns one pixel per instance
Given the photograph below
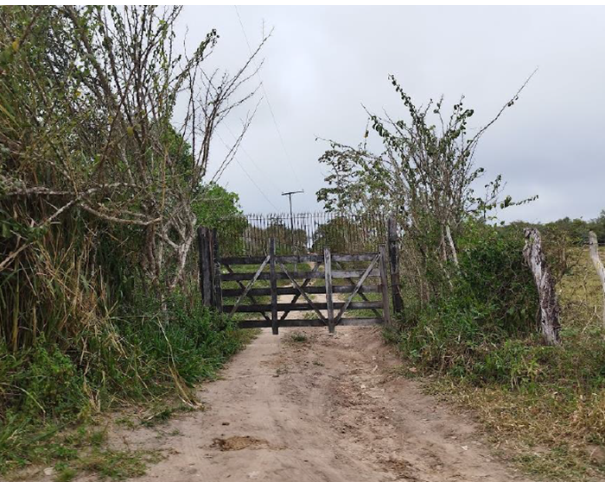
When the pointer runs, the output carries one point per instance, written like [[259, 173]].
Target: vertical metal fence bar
[[304, 233]]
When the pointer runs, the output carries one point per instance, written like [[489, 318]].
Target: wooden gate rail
[[293, 301], [250, 294], [362, 278], [266, 276], [234, 293], [309, 322], [248, 286], [361, 292], [298, 259], [259, 308]]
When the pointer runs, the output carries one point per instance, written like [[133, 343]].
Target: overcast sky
[[321, 64]]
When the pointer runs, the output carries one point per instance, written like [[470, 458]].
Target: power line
[[257, 167], [266, 96], [256, 185], [248, 175]]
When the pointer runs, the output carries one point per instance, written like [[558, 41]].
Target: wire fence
[[301, 233]]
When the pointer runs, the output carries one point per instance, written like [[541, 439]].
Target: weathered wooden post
[[394, 264], [217, 273], [596, 260], [549, 306], [384, 283], [329, 298], [205, 265], [274, 324]]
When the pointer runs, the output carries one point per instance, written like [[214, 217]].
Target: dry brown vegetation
[[550, 417]]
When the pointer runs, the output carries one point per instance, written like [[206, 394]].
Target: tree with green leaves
[[92, 146], [425, 176]]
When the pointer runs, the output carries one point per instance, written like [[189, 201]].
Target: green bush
[[42, 382], [483, 329], [53, 383], [490, 299], [143, 354], [196, 342], [526, 364]]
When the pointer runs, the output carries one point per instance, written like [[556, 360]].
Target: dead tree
[[596, 260], [549, 306]]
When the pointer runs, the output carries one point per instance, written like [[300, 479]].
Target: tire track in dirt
[[308, 406]]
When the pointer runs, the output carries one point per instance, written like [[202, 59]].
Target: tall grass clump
[[136, 357]]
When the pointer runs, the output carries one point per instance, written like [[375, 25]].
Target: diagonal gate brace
[[249, 286], [304, 295], [356, 290]]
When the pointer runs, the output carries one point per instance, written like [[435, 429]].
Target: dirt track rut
[[324, 408]]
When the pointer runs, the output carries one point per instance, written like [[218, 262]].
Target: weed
[[118, 464], [163, 415], [64, 473], [280, 371], [297, 337], [127, 422], [47, 389]]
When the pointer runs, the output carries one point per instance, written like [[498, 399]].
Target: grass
[[50, 391], [116, 464], [82, 450], [297, 337], [163, 414], [544, 407]]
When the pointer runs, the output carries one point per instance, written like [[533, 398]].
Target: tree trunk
[[549, 307], [450, 241], [594, 255]]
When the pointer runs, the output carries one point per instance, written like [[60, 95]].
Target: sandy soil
[[324, 408]]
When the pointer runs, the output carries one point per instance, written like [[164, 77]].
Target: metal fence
[[301, 233]]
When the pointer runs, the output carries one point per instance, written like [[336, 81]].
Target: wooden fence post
[[594, 255], [384, 283], [274, 324], [205, 265], [216, 273], [549, 307], [394, 263], [329, 297]]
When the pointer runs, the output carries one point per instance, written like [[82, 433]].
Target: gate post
[[216, 259], [394, 262], [274, 324], [205, 265], [209, 268], [328, 278], [384, 283]]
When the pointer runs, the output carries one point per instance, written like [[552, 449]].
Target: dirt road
[[305, 405]]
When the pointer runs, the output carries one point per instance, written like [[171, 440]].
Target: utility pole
[[289, 195]]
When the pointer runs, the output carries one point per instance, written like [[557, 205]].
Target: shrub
[[143, 354], [490, 299]]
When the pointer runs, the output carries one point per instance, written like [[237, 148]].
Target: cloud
[[322, 64]]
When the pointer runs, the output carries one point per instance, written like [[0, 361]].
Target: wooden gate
[[327, 287]]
